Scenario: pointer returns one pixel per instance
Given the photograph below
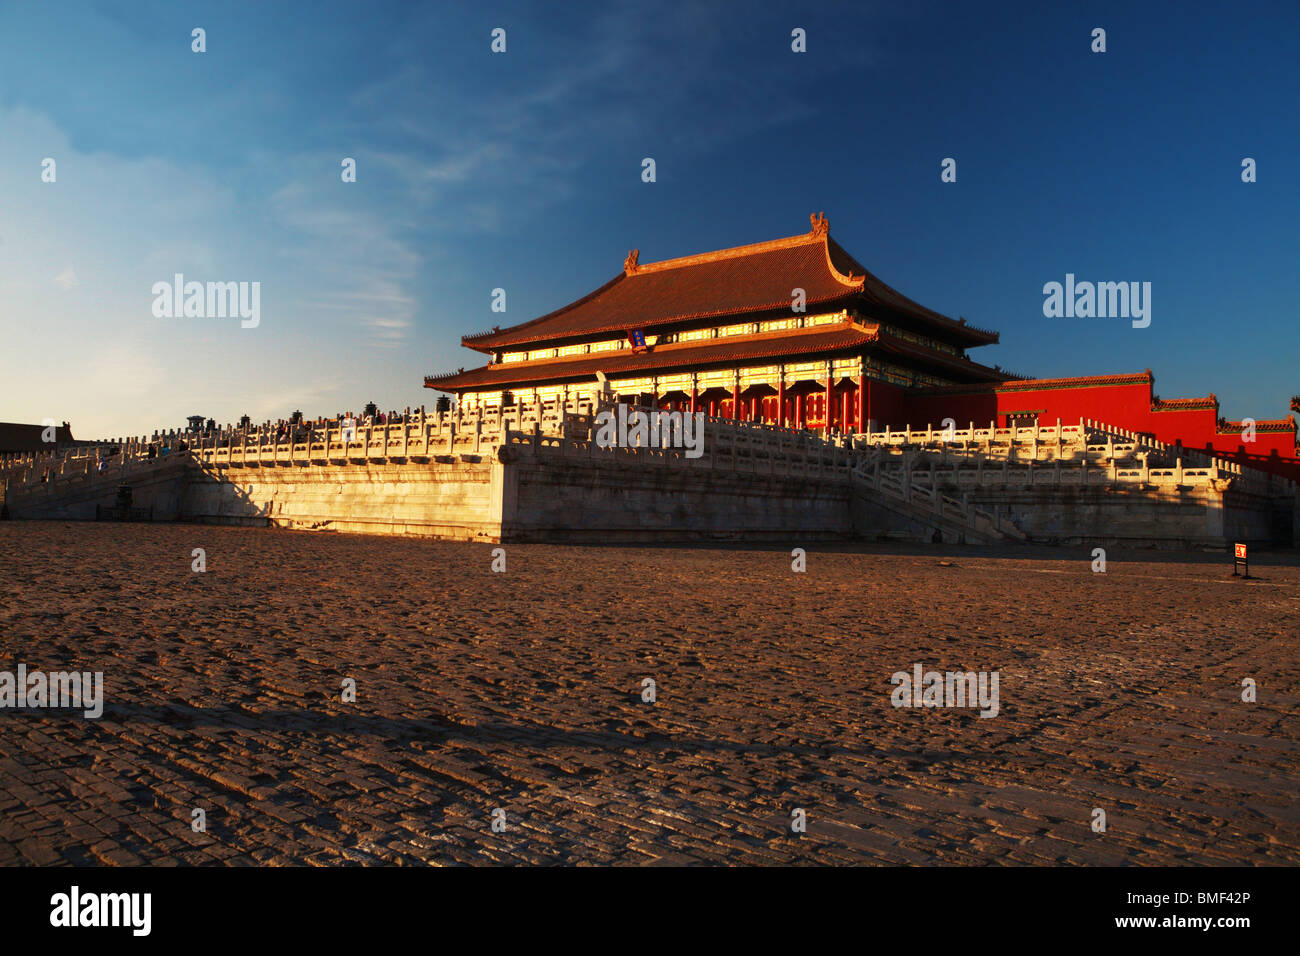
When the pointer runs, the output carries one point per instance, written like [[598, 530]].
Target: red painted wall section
[[1194, 427], [1125, 404], [1270, 451], [924, 410], [885, 404], [1122, 406]]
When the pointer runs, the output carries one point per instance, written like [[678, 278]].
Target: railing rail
[[1121, 453], [1089, 452], [927, 499]]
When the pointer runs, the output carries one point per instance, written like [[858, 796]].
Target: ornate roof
[[1037, 384], [825, 339], [1184, 404], [745, 279], [898, 346], [829, 338], [1262, 425], [876, 292]]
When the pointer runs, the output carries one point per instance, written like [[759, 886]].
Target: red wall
[[1123, 406], [1194, 427], [930, 410], [1270, 451], [1199, 428], [1126, 405], [885, 404]]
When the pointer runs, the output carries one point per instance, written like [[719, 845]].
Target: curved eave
[[878, 292], [725, 283], [825, 340], [487, 341], [740, 281], [834, 303], [964, 367]]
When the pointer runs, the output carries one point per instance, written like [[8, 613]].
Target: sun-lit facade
[[796, 332]]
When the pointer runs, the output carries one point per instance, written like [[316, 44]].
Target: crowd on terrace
[[166, 442], [295, 428]]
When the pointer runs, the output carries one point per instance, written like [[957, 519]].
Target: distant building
[[15, 437]]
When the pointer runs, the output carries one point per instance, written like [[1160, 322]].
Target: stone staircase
[[1087, 481], [1089, 453], [753, 448], [952, 518]]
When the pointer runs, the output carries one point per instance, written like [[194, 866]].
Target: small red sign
[[1241, 550]]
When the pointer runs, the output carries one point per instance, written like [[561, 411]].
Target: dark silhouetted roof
[[18, 437]]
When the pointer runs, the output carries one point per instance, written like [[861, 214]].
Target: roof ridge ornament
[[630, 263], [820, 226]]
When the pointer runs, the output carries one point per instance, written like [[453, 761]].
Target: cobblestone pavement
[[523, 691]]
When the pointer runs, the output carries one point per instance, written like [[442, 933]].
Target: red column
[[735, 403], [798, 410], [845, 414], [862, 403], [780, 402], [694, 398], [830, 402]]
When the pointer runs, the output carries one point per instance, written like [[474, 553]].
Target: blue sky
[[522, 171]]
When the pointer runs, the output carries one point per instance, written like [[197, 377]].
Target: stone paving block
[[774, 693]]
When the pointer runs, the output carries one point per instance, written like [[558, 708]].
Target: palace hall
[[797, 333]]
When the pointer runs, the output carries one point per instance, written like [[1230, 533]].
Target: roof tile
[[745, 279]]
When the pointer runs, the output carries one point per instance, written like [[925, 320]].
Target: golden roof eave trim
[[1079, 381], [782, 306], [868, 328]]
